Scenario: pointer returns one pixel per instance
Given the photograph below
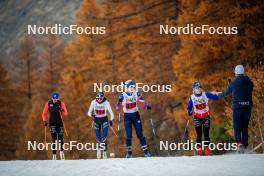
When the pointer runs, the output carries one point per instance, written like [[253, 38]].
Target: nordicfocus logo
[[72, 145], [191, 29], [139, 87], [190, 145], [59, 29]]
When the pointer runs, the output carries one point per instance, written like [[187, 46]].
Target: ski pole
[[92, 126], [154, 136], [185, 130], [45, 135], [64, 126], [114, 131], [92, 123], [152, 125], [118, 123]]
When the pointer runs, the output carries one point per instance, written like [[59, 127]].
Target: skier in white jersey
[[129, 99], [97, 111]]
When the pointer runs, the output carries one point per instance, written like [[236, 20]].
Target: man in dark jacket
[[241, 89]]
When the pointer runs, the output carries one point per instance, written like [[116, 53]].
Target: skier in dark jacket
[[241, 89], [56, 109]]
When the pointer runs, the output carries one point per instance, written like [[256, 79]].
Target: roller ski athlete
[[199, 108], [57, 111], [129, 100], [97, 110]]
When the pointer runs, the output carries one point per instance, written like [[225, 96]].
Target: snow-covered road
[[237, 165]]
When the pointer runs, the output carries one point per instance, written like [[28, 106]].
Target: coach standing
[[241, 89]]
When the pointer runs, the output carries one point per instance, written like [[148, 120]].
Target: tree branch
[[133, 13]]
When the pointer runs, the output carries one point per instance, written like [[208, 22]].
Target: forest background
[[131, 49]]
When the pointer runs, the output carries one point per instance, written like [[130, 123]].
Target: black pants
[[241, 117], [57, 133], [202, 127]]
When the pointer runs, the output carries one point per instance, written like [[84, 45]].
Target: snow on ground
[[233, 165]]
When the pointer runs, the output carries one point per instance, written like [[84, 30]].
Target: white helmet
[[239, 70]]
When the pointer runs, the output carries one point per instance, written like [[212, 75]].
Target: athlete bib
[[200, 105], [130, 102], [100, 109]]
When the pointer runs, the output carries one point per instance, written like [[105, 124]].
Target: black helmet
[[100, 95]]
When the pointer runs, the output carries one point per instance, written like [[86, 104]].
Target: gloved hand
[[189, 113], [148, 107], [62, 110], [110, 123], [93, 117], [45, 123], [229, 81], [118, 108]]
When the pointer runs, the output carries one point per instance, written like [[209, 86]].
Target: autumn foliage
[[132, 48]]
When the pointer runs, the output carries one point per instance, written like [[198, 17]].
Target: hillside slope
[[16, 15]]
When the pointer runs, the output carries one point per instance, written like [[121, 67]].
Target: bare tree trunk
[[51, 68], [27, 47], [29, 77], [111, 46], [175, 9]]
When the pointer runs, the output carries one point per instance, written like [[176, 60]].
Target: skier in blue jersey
[[129, 100], [198, 107]]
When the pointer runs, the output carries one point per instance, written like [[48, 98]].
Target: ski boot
[[53, 156], [62, 157], [198, 150], [98, 155], [105, 155], [207, 151], [147, 154], [129, 154], [240, 148]]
